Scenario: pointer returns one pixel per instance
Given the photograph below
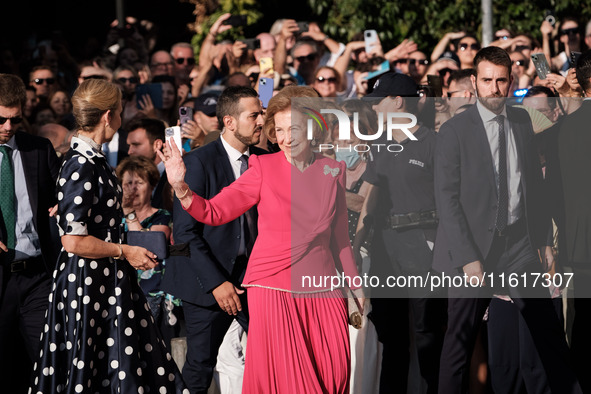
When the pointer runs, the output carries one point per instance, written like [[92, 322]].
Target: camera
[[550, 17]]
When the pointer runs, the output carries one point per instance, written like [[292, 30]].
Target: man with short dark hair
[[494, 223], [208, 282], [28, 239], [43, 80], [145, 137], [460, 92]]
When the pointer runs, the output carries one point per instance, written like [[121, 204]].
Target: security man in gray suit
[[492, 222]]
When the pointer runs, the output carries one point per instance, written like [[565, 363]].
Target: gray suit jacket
[[466, 191]]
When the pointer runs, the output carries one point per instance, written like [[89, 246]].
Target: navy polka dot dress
[[99, 335]]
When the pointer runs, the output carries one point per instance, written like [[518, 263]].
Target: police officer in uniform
[[401, 202]]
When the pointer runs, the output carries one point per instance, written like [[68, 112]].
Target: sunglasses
[[130, 80], [412, 62], [308, 58], [518, 62], [329, 79], [571, 31], [15, 120], [181, 60], [450, 94], [86, 78], [474, 47], [502, 37], [39, 81]]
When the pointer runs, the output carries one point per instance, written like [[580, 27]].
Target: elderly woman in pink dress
[[298, 340]]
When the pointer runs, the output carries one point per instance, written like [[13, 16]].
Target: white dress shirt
[[513, 168], [234, 156]]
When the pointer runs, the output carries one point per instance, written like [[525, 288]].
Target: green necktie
[[7, 195]]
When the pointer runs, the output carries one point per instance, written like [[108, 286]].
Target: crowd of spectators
[[156, 83]]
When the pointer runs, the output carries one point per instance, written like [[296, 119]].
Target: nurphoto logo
[[344, 123]]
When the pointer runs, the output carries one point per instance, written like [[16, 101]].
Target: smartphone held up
[[235, 20], [174, 133]]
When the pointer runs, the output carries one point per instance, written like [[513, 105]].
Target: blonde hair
[[282, 102], [92, 99]]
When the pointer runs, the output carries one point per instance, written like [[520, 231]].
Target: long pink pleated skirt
[[296, 344]]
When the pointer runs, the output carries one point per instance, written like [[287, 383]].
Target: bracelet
[[120, 253], [184, 194], [325, 38]]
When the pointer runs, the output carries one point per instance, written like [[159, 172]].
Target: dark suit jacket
[[568, 172], [466, 191], [41, 167], [213, 248]]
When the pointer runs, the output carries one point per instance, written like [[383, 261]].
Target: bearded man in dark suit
[[493, 221]]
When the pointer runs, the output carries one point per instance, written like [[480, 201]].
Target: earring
[[314, 142]]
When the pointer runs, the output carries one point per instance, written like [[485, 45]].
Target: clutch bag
[[355, 316], [154, 241]]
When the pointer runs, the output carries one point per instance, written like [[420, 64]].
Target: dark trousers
[[409, 254], [514, 364], [466, 307], [23, 305], [206, 328], [581, 331], [390, 317]]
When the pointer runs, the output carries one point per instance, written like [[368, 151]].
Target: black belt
[[413, 220], [517, 229], [33, 264]]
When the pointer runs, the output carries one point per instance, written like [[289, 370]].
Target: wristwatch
[[131, 216]]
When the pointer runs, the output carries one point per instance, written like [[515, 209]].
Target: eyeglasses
[[518, 62], [130, 80], [412, 62], [571, 31], [329, 79], [87, 77], [15, 120], [39, 81], [156, 65], [308, 58], [474, 47], [181, 60]]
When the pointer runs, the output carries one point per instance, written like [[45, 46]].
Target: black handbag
[[154, 241]]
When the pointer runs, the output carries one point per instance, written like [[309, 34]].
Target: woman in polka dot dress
[[99, 335]]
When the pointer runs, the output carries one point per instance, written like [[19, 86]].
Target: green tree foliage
[[425, 22], [208, 11]]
